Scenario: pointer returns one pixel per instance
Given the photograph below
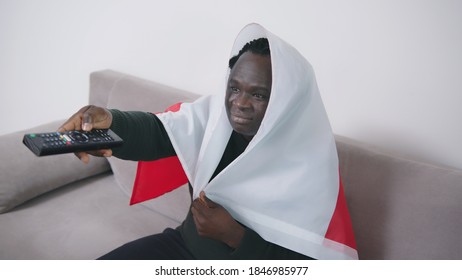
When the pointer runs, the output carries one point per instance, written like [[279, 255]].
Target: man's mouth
[[240, 119]]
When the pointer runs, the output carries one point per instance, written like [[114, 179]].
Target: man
[[260, 160]]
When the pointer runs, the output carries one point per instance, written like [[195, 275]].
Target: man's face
[[248, 93]]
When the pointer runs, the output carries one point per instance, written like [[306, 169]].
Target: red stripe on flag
[[174, 107], [340, 228], [155, 178]]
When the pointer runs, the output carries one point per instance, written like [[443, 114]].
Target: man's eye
[[259, 96], [234, 89]]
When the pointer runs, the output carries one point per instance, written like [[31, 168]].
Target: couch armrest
[[102, 83], [24, 176]]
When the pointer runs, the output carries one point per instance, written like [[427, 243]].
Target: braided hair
[[258, 46]]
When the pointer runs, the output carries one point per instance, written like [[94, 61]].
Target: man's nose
[[242, 100]]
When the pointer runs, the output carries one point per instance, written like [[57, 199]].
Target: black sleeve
[[253, 246], [144, 136]]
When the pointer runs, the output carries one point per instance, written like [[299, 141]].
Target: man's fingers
[[202, 199], [101, 153], [84, 157], [74, 122], [206, 201], [88, 118], [71, 124], [61, 129]]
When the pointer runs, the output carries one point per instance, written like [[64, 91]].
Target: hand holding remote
[[88, 118]]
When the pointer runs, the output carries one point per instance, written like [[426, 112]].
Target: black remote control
[[52, 143]]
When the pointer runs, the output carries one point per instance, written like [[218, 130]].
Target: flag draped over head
[[286, 185]]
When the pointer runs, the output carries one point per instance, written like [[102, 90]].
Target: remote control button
[[66, 138], [79, 137]]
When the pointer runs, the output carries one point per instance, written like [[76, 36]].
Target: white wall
[[389, 71]]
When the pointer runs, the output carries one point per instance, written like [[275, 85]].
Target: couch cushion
[[24, 176], [134, 94], [401, 208], [82, 220]]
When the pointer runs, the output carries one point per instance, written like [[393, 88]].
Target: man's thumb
[[87, 122], [206, 201]]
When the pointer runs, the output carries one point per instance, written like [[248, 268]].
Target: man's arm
[[144, 136]]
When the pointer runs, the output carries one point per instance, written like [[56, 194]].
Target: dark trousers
[[167, 245]]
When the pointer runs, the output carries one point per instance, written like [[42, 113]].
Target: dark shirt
[[145, 139]]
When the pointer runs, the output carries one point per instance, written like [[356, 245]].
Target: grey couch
[[58, 208]]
